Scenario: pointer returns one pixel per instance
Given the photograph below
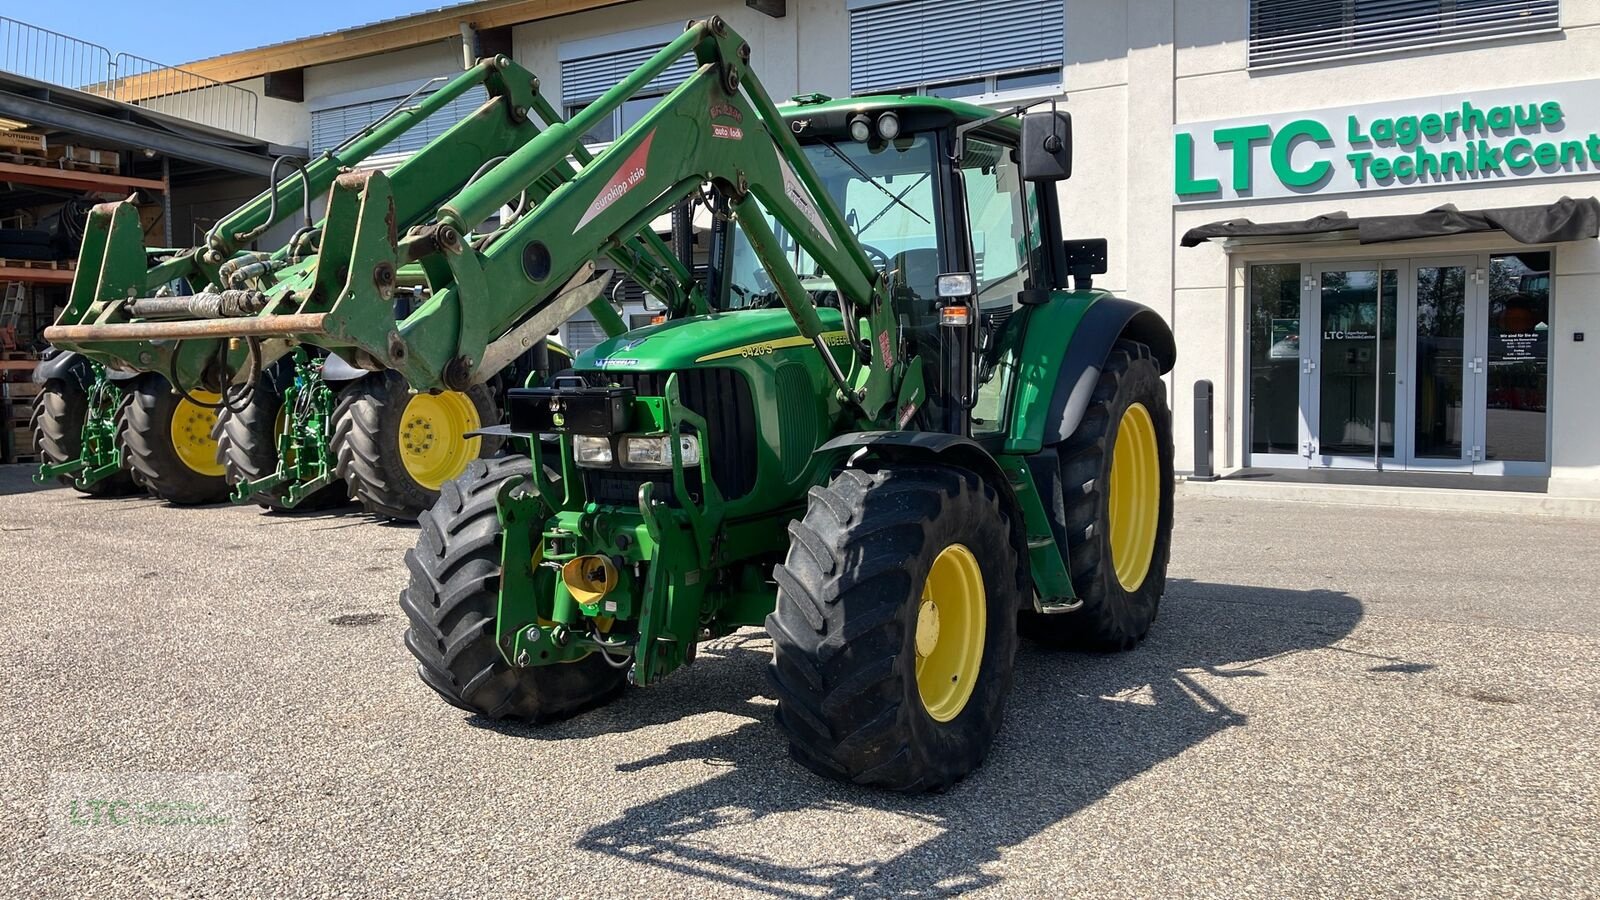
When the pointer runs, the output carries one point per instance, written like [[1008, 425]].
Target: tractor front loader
[[111, 432], [883, 425], [289, 424]]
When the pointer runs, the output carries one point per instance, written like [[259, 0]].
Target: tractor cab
[[935, 193]]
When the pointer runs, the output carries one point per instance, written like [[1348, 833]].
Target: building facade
[[1350, 344]]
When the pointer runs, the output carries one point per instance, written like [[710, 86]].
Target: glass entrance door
[[1432, 363], [1444, 393], [1353, 364]]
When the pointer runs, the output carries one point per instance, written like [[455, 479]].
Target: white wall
[[372, 77], [1137, 68], [775, 43], [279, 121]]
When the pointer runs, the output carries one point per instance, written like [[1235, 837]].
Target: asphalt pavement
[[1335, 701]]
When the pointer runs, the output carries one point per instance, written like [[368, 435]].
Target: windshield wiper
[[887, 206], [870, 180]]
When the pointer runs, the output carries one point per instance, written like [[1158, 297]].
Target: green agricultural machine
[[116, 432], [891, 421], [306, 429]]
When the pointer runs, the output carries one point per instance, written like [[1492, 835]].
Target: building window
[[583, 80], [1284, 32], [334, 125], [956, 48]]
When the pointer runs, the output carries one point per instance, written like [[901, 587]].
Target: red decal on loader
[[631, 172], [883, 349]]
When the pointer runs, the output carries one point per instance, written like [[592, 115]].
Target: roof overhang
[[63, 109], [382, 37], [1566, 219]]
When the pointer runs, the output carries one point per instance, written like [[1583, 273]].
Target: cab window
[[1003, 212]]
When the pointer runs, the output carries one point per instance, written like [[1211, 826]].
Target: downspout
[[469, 46]]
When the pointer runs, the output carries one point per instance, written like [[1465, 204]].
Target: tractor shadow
[[1078, 726], [17, 478]]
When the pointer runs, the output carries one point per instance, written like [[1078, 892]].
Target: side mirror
[[1045, 151]]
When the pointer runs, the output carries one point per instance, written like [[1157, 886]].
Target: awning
[[1564, 220]]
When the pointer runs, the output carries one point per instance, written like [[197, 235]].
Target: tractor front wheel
[[168, 444], [396, 449], [1116, 487], [59, 411], [894, 635], [453, 599], [247, 437]]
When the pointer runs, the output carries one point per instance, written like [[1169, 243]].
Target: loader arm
[[718, 127], [174, 335]]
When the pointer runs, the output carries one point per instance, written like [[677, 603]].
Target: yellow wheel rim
[[432, 441], [1134, 509], [950, 629], [191, 434]]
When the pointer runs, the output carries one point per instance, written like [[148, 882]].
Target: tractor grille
[[721, 397], [617, 487]]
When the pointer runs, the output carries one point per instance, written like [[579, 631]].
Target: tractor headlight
[[888, 126], [640, 452], [860, 128], [592, 451]]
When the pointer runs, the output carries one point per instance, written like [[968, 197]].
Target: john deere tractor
[[883, 425], [109, 433]]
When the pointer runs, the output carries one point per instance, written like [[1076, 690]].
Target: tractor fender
[[1106, 321], [335, 370], [65, 364], [62, 364], [938, 447]]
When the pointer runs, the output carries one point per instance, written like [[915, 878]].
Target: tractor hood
[[700, 340]]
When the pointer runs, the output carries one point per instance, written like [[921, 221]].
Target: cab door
[[1006, 241]]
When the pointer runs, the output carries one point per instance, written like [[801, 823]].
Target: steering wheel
[[880, 260]]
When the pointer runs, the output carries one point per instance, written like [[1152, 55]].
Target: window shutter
[[1292, 31], [910, 42], [330, 127], [583, 80], [581, 334]]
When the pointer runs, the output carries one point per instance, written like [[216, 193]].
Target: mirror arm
[[959, 148]]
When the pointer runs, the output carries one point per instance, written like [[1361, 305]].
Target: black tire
[[146, 432], [247, 438], [844, 631], [1112, 617], [59, 410], [452, 601], [367, 424]]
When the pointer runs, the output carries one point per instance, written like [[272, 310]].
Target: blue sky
[[176, 31]]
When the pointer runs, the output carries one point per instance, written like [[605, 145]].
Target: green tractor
[[111, 433], [892, 422]]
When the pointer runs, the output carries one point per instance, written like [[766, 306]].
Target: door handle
[[1310, 366]]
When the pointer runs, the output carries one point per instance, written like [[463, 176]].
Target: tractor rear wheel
[[168, 444], [452, 600], [1116, 486], [247, 437], [59, 411], [396, 449], [894, 635]]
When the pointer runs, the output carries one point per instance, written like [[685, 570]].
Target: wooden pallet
[[54, 265], [25, 157], [77, 165]]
